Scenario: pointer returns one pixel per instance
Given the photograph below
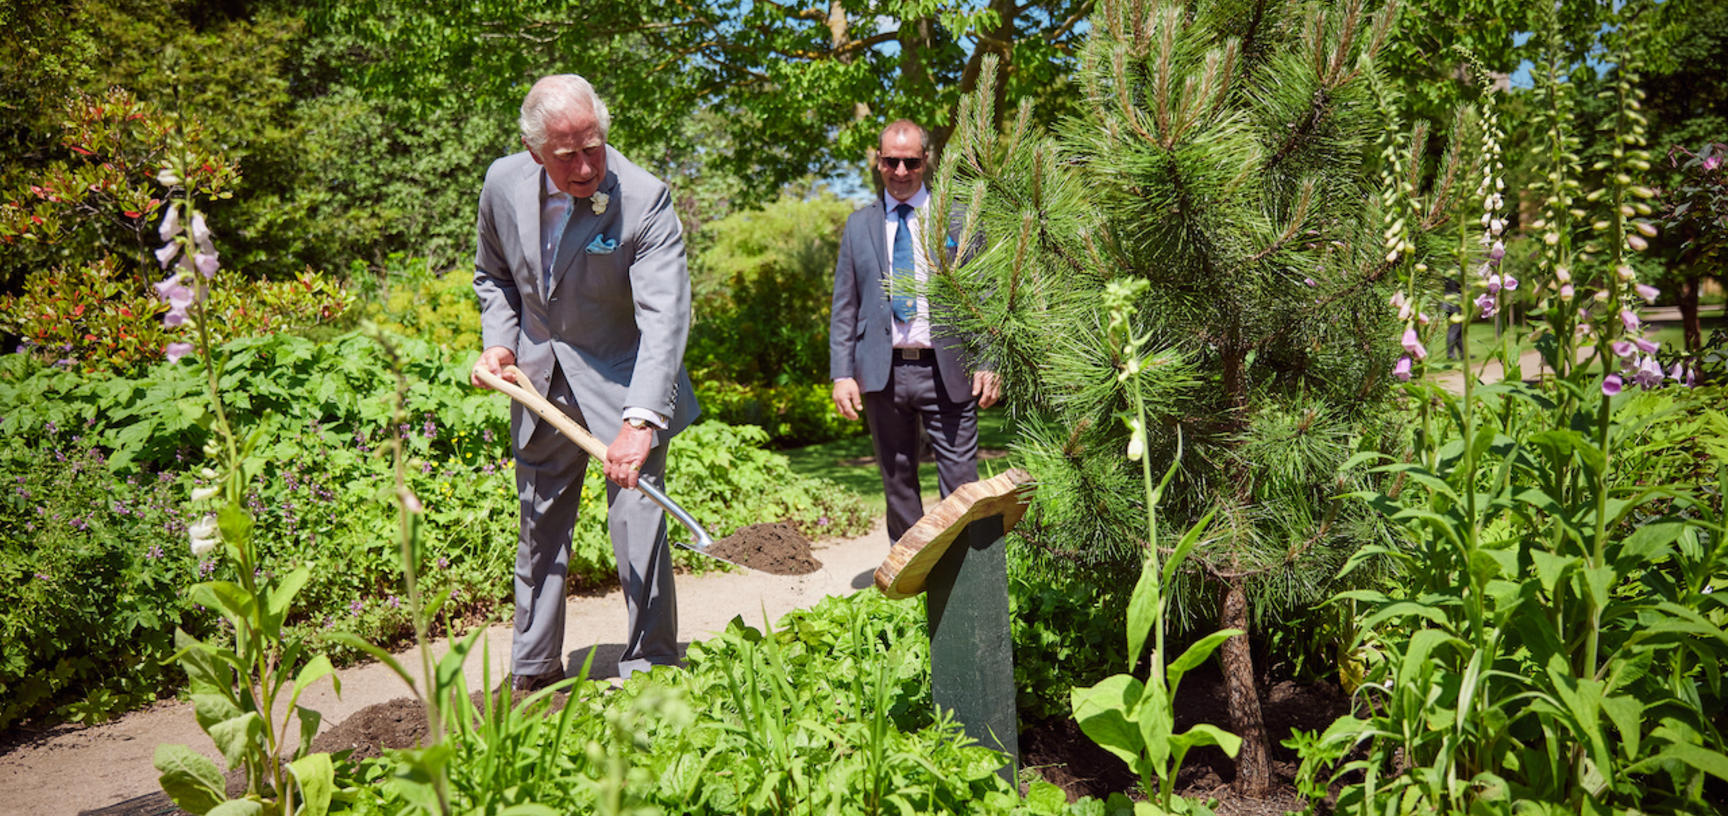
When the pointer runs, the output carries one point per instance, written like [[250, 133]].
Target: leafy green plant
[[89, 595], [1551, 642], [416, 300], [1134, 720], [245, 691]]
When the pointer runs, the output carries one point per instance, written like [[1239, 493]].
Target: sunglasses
[[909, 163]]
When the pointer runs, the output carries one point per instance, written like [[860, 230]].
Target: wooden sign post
[[957, 554]]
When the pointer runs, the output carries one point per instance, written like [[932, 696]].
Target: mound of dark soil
[[775, 548]]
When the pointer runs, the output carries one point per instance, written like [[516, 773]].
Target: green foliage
[[89, 594], [316, 491], [415, 301], [828, 713], [792, 415]]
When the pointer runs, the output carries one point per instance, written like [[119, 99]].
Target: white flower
[[207, 264], [202, 493], [204, 534], [166, 254], [167, 178], [170, 224], [201, 233], [599, 201], [1136, 440]]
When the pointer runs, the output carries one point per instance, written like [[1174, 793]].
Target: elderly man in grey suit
[[582, 284], [888, 353]]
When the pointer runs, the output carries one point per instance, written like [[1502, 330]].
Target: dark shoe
[[535, 682]]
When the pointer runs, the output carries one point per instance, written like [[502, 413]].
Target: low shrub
[[792, 415], [91, 573]]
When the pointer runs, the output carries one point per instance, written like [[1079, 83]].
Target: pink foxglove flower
[[206, 263], [1493, 284], [1645, 345], [1510, 283], [1629, 319], [1611, 385], [175, 351], [1637, 243], [1622, 349], [1402, 369], [165, 255], [1566, 291], [170, 224], [1647, 292], [1649, 374], [1498, 251], [201, 232], [1413, 344], [1487, 305]]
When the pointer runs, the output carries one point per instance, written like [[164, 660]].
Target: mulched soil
[[1067, 758], [774, 548]]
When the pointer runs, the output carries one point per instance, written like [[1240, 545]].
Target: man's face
[[574, 154], [901, 162]]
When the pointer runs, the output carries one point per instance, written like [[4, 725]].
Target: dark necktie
[[905, 302]]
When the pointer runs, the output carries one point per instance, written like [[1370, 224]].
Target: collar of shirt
[[918, 200]]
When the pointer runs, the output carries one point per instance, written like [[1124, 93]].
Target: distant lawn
[[1666, 332], [850, 462]]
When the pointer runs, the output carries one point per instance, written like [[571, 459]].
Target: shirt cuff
[[652, 417]]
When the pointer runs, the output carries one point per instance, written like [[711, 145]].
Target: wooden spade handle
[[540, 406], [595, 449]]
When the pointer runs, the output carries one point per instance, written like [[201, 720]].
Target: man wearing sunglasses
[[889, 354]]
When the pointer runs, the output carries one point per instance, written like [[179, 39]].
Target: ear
[[532, 153]]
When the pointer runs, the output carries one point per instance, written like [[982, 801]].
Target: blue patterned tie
[[905, 302]]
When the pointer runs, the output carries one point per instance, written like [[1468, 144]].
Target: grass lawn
[[1666, 332], [850, 462]]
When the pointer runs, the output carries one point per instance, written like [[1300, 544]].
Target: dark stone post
[[971, 646]]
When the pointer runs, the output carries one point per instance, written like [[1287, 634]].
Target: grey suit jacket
[[861, 324], [615, 322]]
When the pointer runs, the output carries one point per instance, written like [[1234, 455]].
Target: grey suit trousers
[[549, 472], [916, 396]]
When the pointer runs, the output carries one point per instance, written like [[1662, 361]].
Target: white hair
[[555, 94]]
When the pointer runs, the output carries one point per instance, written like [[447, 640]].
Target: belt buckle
[[909, 353]]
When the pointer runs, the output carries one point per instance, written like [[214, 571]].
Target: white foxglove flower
[[202, 493], [204, 534]]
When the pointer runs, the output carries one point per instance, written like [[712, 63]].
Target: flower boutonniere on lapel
[[599, 201]]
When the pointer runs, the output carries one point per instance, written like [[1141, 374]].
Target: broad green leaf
[[282, 594], [234, 736], [1550, 568], [1190, 540], [1142, 610], [317, 778], [227, 596], [211, 708], [314, 670], [1207, 734], [1105, 713], [529, 809], [238, 807], [1697, 756], [1196, 654], [1627, 713], [189, 778]]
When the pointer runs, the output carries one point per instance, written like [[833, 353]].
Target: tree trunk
[[1253, 765], [1689, 313]]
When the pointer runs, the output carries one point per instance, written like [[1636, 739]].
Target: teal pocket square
[[601, 246]]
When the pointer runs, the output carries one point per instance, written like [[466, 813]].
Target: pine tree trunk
[[1253, 766], [1694, 335]]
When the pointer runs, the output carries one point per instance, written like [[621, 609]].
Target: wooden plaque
[[908, 564]]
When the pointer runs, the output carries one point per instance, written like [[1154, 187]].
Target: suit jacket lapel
[[584, 226], [526, 200], [879, 242]]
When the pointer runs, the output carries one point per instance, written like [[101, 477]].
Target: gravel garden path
[[68, 769]]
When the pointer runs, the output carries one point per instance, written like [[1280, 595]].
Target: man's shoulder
[[867, 215], [509, 169], [631, 177]]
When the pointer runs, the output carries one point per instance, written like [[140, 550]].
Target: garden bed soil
[[774, 548]]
